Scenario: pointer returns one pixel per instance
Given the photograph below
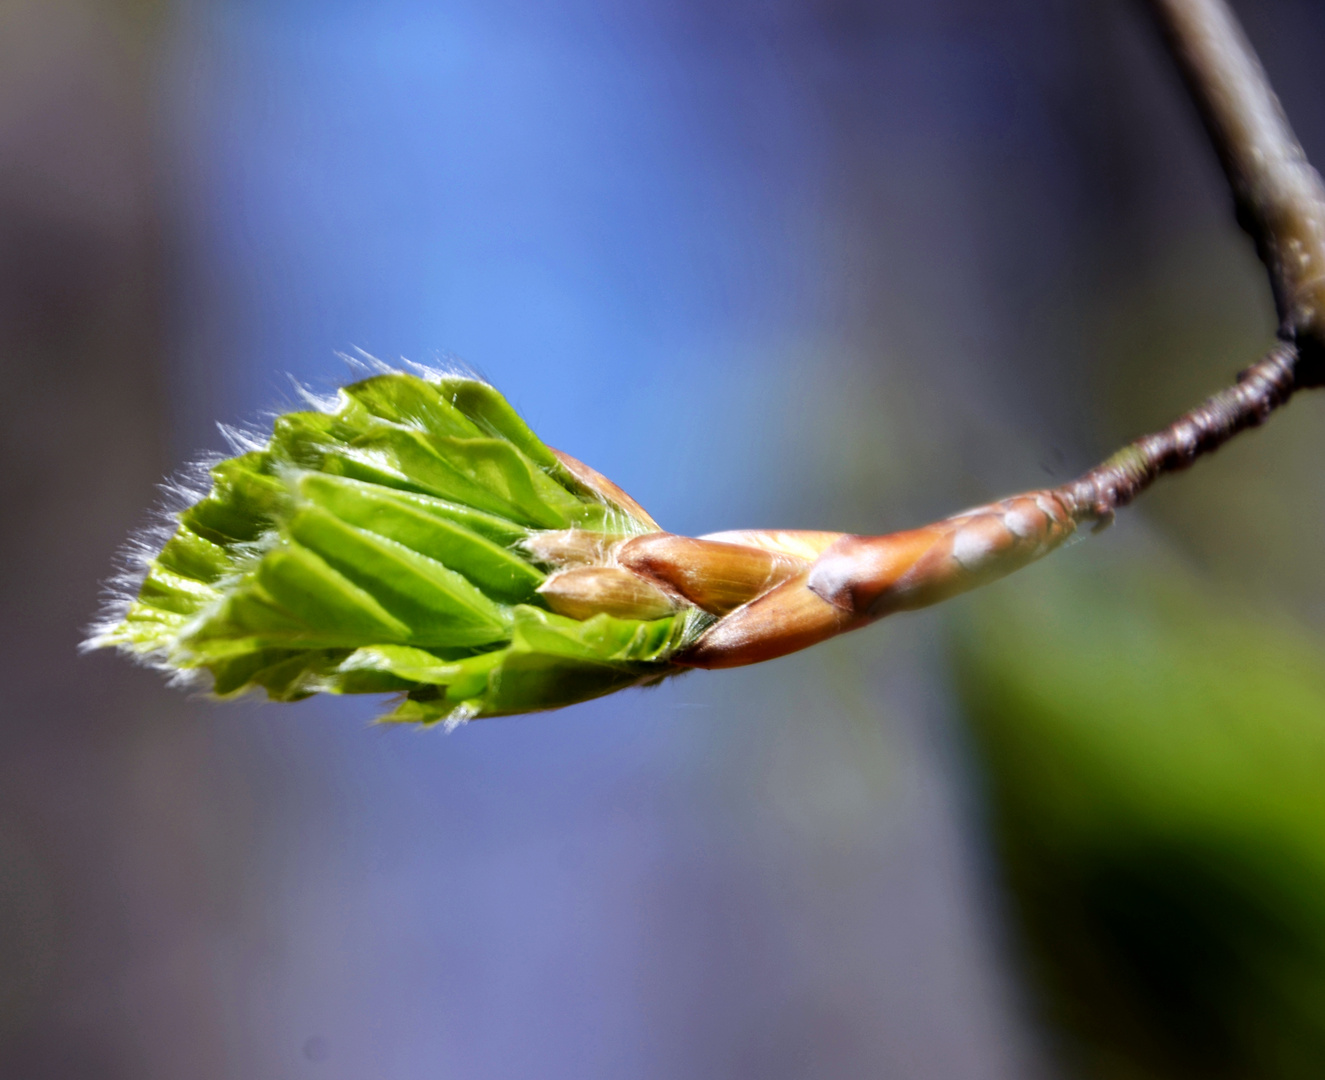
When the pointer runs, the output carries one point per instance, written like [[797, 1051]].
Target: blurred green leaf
[[1155, 758]]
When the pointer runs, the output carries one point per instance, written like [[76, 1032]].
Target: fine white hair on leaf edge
[[365, 364], [458, 717], [135, 556], [446, 366], [323, 403], [193, 483], [242, 440]]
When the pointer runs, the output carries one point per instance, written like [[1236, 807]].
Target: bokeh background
[[811, 263]]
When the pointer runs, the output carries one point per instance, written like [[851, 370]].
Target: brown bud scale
[[714, 576], [587, 591], [858, 579], [783, 621], [571, 547]]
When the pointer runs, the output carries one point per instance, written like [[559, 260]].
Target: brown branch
[[1260, 390], [1279, 197], [1280, 201], [845, 582]]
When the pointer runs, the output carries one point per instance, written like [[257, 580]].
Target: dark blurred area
[[813, 264], [1153, 754]]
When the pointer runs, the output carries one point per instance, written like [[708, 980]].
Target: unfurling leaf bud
[[413, 535], [399, 538]]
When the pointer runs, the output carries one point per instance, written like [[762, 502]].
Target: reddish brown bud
[[789, 618], [858, 579], [715, 576], [804, 544], [873, 576]]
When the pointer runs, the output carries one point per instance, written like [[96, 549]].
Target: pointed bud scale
[[587, 591], [714, 576], [571, 547], [803, 544], [789, 618]]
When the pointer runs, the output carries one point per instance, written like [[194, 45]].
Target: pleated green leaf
[[550, 661], [413, 403], [496, 570], [439, 606], [374, 546], [493, 413]]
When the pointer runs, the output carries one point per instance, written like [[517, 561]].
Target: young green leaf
[[380, 545]]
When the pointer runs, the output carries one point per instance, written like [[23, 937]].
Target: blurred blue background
[[809, 263]]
